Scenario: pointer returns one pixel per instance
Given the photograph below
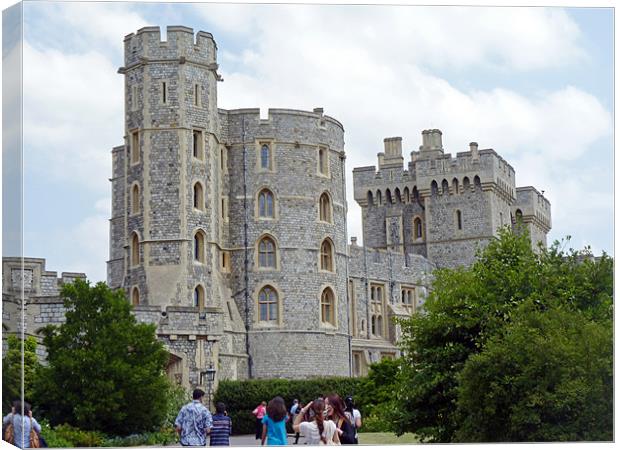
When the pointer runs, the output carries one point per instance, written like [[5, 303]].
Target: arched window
[[135, 296], [265, 204], [418, 231], [406, 193], [434, 188], [199, 199], [328, 310], [369, 198], [379, 199], [466, 185], [135, 199], [199, 297], [445, 187], [265, 157], [477, 181], [267, 253], [327, 256], [455, 185], [397, 195], [373, 325], [388, 197], [519, 216], [325, 208], [415, 194], [459, 220], [267, 304], [197, 144], [199, 247], [135, 250]]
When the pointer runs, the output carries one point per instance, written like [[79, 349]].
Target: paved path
[[248, 440]]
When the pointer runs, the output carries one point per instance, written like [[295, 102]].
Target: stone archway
[[175, 369]]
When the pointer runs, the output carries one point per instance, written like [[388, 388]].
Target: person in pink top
[[259, 413]]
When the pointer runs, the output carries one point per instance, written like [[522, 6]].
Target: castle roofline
[[317, 113], [170, 29]]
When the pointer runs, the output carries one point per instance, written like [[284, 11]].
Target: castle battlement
[[532, 207], [180, 45]]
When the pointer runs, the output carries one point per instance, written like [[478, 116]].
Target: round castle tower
[[295, 210]]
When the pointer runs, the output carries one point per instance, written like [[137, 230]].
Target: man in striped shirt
[[222, 426]]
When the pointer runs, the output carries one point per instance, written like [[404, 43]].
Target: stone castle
[[228, 230]]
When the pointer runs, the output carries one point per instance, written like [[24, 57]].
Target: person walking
[[335, 412], [194, 421], [295, 411], [222, 427], [259, 413], [354, 416], [318, 431], [274, 423], [20, 418]]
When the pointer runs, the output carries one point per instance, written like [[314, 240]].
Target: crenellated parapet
[[181, 46], [532, 207]]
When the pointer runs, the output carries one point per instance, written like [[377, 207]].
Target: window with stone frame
[[134, 147], [164, 92], [135, 249], [134, 97], [267, 253], [199, 197], [418, 229], [225, 260], [197, 90], [266, 156], [135, 199], [328, 307], [198, 144], [135, 296], [323, 161], [377, 308], [353, 304], [407, 297], [325, 208], [266, 204], [327, 255], [268, 304], [199, 297], [199, 247]]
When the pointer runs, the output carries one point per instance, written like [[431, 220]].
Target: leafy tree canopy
[[474, 312], [105, 370], [12, 370]]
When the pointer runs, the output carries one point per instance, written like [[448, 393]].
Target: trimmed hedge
[[241, 397]]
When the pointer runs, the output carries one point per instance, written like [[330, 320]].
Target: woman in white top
[[319, 431]]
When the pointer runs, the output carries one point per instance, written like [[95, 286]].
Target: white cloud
[[73, 116]]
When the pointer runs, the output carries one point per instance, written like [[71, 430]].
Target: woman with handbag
[[335, 411], [21, 429]]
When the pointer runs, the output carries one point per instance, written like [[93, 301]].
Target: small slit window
[[323, 161], [196, 95], [459, 220], [135, 250], [197, 144], [164, 92], [199, 247], [135, 199], [135, 147]]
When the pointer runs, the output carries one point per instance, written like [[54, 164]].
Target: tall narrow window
[[199, 198], [455, 185], [408, 298], [325, 208], [164, 92], [196, 95], [267, 253], [224, 209], [135, 147], [418, 232], [135, 250], [135, 199], [459, 220], [197, 144], [265, 204], [328, 307], [267, 304], [199, 297], [327, 255], [134, 97], [445, 187], [377, 301], [199, 247], [323, 161], [265, 157], [353, 303], [434, 188], [135, 296], [225, 260]]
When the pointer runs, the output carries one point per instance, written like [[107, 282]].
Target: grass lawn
[[387, 438]]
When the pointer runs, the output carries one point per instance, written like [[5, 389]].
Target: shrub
[[52, 437], [77, 437], [157, 438], [241, 397]]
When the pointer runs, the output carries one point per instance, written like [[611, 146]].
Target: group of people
[[328, 420], [195, 422]]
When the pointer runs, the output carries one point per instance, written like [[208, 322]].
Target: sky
[[535, 84]]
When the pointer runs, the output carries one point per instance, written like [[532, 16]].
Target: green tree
[[547, 377], [469, 306], [105, 370], [12, 370]]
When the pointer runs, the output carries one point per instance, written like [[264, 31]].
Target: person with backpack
[[354, 416], [335, 412], [20, 428]]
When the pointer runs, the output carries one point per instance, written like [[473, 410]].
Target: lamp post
[[210, 374]]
